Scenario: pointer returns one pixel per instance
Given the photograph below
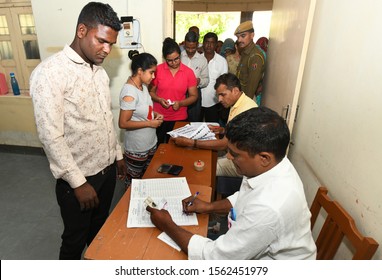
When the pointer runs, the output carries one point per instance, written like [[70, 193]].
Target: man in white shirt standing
[[268, 217], [71, 99], [217, 66], [198, 63]]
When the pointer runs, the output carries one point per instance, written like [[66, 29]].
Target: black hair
[[169, 46], [211, 35], [143, 61], [194, 27], [228, 79], [259, 130], [95, 13], [191, 36]]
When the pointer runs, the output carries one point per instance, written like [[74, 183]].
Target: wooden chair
[[338, 224]]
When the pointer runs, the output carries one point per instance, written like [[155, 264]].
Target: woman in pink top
[[173, 89]]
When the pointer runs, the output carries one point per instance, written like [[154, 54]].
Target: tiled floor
[[30, 222]]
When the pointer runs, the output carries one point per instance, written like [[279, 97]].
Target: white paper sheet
[[198, 132], [207, 123], [169, 241], [173, 190]]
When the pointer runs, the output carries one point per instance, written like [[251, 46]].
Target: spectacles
[[176, 59]]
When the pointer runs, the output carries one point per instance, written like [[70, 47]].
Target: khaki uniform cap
[[245, 26]]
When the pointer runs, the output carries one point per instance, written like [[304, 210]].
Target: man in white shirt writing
[[268, 217]]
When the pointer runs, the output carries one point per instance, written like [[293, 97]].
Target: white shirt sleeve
[[246, 239], [204, 75]]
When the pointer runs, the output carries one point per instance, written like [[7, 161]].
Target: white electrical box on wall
[[129, 36]]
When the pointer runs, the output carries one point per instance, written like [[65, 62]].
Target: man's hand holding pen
[[192, 199], [162, 218], [194, 205], [188, 202]]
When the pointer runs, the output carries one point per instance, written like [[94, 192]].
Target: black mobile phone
[[170, 169], [164, 168], [175, 169]]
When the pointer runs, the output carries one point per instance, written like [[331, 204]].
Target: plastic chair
[[337, 225]]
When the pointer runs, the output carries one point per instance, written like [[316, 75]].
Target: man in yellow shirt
[[229, 93]]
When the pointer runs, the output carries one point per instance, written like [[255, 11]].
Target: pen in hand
[[192, 199]]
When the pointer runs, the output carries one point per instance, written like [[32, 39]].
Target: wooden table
[[214, 158], [172, 154], [117, 242], [185, 156]]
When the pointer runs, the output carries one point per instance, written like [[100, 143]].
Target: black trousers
[[162, 130], [223, 115], [80, 227], [211, 114], [194, 110]]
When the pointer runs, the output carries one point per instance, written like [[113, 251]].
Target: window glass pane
[[3, 26], [6, 50], [27, 24], [31, 49]]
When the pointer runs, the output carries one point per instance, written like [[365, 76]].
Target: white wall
[[338, 132], [56, 24]]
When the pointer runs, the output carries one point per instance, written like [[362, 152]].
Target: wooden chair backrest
[[338, 224]]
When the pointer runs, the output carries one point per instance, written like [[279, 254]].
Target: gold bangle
[[195, 141]]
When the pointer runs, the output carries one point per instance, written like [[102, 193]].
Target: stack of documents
[[194, 131], [173, 190]]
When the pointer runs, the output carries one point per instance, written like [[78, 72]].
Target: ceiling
[[222, 5]]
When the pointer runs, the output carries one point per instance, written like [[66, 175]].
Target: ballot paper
[[207, 123], [171, 190], [193, 131]]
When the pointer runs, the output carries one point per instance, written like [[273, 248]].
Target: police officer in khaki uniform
[[252, 62]]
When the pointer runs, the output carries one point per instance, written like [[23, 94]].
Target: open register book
[[172, 190]]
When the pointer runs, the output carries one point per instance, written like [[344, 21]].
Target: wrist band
[[195, 141]]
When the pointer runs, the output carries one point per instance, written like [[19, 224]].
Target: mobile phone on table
[[170, 169]]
